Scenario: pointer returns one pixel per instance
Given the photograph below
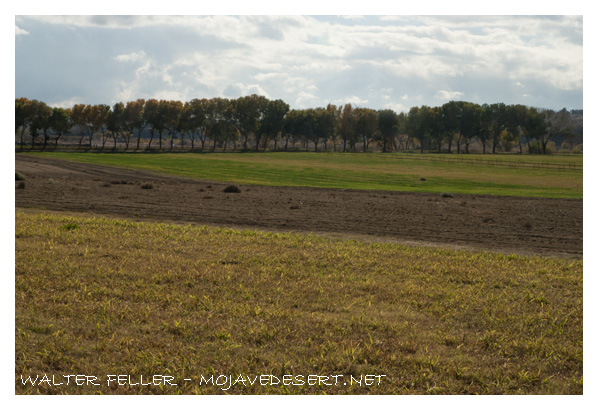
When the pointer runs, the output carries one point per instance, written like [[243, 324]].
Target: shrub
[[19, 176], [446, 195], [232, 189]]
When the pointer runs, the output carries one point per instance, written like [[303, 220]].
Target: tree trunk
[[151, 138], [138, 139], [22, 134], [520, 144], [45, 141]]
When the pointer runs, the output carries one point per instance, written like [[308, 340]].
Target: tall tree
[[99, 121], [272, 122], [451, 113], [388, 127], [23, 113], [248, 112], [417, 125], [347, 125], [470, 123], [335, 114], [115, 121], [435, 126], [366, 125], [60, 122], [515, 122], [151, 116], [79, 120], [40, 121], [494, 121], [133, 120], [533, 126], [219, 118], [558, 122], [292, 126], [173, 124]]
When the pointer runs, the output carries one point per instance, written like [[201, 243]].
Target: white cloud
[[235, 90], [448, 95], [357, 101], [19, 31], [131, 57], [66, 103], [397, 107]]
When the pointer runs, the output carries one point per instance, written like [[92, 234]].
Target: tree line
[[256, 123]]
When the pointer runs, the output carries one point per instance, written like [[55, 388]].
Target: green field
[[510, 175], [100, 296]]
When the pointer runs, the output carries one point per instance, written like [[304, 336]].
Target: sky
[[373, 61]]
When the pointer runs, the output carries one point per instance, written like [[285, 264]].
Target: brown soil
[[551, 227]]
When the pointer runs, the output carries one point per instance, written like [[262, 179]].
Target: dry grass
[[104, 296]]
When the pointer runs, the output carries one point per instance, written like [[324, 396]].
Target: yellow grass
[[99, 297]]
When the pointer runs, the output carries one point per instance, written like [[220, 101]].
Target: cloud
[[19, 31], [235, 90], [131, 57], [448, 95], [381, 61]]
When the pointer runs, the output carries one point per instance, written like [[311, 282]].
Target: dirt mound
[[507, 224]]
